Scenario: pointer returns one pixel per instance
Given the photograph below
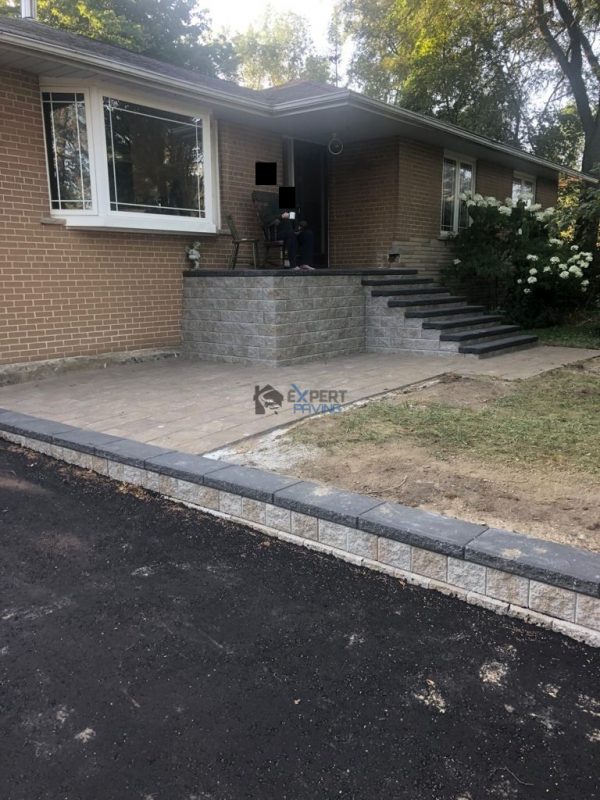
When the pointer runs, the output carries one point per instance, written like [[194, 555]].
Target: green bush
[[539, 277]]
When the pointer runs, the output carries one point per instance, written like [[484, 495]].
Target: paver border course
[[539, 581]]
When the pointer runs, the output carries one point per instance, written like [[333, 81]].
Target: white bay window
[[126, 162]]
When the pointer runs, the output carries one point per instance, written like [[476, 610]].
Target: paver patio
[[198, 406]]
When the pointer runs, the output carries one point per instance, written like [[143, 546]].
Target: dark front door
[[310, 178]]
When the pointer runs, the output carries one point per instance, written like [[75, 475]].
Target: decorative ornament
[[335, 145]]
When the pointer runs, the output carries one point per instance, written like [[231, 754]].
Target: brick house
[[92, 254]]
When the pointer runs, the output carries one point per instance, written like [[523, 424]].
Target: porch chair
[[263, 203], [236, 241]]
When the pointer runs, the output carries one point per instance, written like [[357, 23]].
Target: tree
[[278, 51], [444, 58], [485, 64], [170, 30]]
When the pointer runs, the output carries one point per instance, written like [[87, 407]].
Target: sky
[[237, 15]]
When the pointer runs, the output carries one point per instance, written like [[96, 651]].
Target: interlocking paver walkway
[[199, 406]]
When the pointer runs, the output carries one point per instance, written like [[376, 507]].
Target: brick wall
[[546, 192], [362, 203], [68, 293], [493, 180]]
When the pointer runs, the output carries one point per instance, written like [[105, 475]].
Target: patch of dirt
[[551, 504]]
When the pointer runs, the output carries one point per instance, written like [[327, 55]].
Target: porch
[[287, 317]]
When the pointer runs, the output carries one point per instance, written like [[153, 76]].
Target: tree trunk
[[587, 226]]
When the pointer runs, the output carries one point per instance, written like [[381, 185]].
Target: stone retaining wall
[[273, 319], [541, 582]]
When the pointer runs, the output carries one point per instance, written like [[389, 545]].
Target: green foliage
[[580, 329], [169, 30], [445, 58], [486, 65], [559, 136], [278, 51], [541, 277]]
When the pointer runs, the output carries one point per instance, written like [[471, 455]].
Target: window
[[119, 163], [523, 188], [458, 176], [155, 160], [67, 148]]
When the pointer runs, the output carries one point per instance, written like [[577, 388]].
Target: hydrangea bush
[[539, 277]]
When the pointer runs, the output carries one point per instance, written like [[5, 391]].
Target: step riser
[[399, 283], [418, 312], [478, 339], [444, 314], [503, 352], [481, 332], [458, 327], [412, 294]]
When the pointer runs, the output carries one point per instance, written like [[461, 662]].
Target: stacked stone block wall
[[273, 320]]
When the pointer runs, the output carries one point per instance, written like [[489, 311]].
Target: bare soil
[[547, 503]]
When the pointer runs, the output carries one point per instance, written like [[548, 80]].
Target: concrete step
[[441, 312], [459, 323], [399, 281], [427, 302], [510, 343], [409, 290], [477, 333]]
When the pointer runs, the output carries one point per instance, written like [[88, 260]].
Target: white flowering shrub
[[539, 277]]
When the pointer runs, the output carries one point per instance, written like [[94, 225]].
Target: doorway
[[310, 179]]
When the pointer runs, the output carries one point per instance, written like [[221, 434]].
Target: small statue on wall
[[193, 254]]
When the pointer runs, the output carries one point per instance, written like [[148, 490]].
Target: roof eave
[[251, 105], [357, 100]]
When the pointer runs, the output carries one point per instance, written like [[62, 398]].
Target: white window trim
[[101, 215], [458, 157], [524, 176]]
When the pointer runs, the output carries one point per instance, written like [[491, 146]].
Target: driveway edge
[[542, 582]]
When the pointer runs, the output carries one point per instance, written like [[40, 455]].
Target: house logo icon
[[267, 398]]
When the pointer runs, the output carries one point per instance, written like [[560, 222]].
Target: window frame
[[524, 176], [458, 158], [101, 215], [58, 212]]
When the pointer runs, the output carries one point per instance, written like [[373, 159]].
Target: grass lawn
[[549, 421], [584, 332]]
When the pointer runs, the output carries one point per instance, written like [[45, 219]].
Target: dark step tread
[[448, 324], [498, 344], [442, 312], [400, 281], [478, 333], [428, 301], [410, 290]]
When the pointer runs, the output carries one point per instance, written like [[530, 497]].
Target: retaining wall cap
[[248, 481], [324, 502], [548, 562], [420, 528], [185, 466], [25, 425], [128, 451], [85, 441]]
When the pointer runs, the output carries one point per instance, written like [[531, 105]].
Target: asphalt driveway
[[148, 651]]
